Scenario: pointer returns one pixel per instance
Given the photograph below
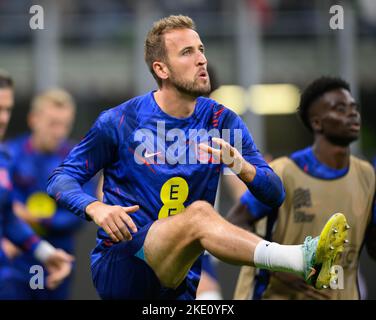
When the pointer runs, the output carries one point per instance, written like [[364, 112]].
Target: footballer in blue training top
[[17, 231], [30, 171], [161, 167], [159, 189], [34, 157]]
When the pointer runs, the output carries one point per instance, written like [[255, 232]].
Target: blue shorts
[[122, 273]]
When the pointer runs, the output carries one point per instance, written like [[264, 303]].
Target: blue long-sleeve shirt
[[30, 169], [150, 158]]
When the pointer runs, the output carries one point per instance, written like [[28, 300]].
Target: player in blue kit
[[161, 173], [34, 156], [57, 261]]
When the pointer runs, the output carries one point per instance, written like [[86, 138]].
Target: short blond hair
[[155, 48], [59, 97]]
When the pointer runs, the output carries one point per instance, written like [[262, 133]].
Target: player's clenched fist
[[115, 220]]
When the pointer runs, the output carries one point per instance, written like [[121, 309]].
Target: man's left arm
[[248, 162]]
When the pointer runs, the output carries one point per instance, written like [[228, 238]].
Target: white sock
[[277, 257]]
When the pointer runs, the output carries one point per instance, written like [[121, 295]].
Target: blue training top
[[150, 159], [30, 170]]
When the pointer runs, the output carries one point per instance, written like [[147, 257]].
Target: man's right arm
[[96, 151]]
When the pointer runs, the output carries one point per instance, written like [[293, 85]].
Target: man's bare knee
[[200, 215], [201, 208]]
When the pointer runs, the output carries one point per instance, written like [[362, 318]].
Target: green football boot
[[320, 253]]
